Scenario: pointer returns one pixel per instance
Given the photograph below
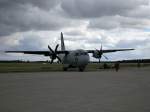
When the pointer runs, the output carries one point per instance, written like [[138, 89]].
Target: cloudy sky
[[33, 24]]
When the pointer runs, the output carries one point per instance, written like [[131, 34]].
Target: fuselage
[[76, 58]]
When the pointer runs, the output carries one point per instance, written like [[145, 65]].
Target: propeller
[[100, 53], [53, 54]]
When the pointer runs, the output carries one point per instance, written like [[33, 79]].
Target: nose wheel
[[65, 68], [81, 69]]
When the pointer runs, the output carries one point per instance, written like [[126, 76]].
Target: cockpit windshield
[[80, 53]]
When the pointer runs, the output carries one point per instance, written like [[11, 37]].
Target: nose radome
[[83, 60]]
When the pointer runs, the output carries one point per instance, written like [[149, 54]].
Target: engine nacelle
[[96, 54]]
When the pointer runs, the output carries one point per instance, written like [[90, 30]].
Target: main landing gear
[[81, 69], [65, 68]]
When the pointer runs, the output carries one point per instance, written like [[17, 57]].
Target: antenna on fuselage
[[62, 42]]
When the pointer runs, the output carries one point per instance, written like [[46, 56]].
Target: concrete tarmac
[[104, 91]]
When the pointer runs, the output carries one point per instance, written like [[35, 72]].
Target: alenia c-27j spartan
[[71, 58]]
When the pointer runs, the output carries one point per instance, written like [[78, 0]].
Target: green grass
[[29, 67], [46, 67]]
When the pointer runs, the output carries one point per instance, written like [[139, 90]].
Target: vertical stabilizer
[[62, 42]]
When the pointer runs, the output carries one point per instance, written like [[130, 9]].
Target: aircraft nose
[[83, 60]]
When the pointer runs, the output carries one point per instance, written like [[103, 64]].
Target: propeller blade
[[58, 58], [50, 49], [99, 60], [56, 48], [51, 61], [105, 57]]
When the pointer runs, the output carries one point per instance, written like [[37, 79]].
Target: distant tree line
[[22, 61], [126, 61], [136, 61]]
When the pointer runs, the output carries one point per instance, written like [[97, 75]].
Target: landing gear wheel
[[81, 69], [65, 68]]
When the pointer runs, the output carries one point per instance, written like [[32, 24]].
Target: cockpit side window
[[81, 53]]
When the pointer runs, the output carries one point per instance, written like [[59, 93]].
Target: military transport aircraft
[[71, 58]]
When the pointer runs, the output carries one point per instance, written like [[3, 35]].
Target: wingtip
[[2, 51]]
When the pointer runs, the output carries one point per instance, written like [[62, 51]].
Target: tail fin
[[62, 42]]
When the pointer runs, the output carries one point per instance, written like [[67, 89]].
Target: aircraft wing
[[45, 53], [109, 51]]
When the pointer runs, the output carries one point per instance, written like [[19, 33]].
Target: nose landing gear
[[81, 69], [65, 68]]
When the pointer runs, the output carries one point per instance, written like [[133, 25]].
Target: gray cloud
[[140, 12], [98, 8], [30, 43], [133, 44], [74, 33], [37, 15], [27, 15], [104, 23], [44, 4], [112, 22], [22, 42]]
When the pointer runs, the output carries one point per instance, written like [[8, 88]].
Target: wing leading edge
[[110, 50], [45, 53]]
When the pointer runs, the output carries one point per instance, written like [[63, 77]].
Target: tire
[[65, 68], [81, 69]]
